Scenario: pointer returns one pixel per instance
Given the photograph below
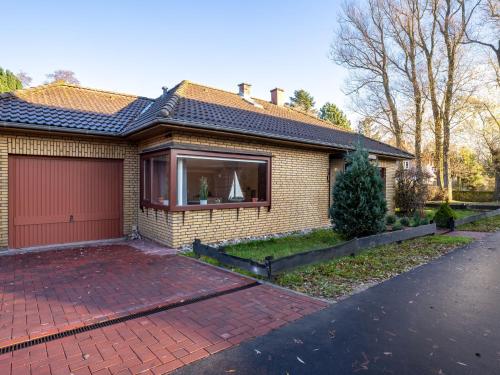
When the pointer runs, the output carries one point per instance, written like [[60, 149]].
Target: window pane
[[229, 181], [159, 180], [146, 180]]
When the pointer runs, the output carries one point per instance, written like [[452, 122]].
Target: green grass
[[341, 276], [284, 246], [490, 224], [429, 212]]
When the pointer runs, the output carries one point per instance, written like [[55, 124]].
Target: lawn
[[341, 276], [490, 224], [429, 212], [281, 247]]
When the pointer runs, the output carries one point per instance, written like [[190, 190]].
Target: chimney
[[245, 89], [278, 96]]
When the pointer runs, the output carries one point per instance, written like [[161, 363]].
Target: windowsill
[[154, 206], [219, 206]]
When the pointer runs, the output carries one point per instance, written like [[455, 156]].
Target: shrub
[[390, 219], [473, 196], [443, 215], [411, 191], [359, 205], [416, 220], [397, 226], [424, 221], [405, 221]]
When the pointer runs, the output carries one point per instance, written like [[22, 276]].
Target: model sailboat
[[235, 194]]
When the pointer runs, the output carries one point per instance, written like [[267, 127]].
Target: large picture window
[[182, 180], [226, 180], [155, 171]]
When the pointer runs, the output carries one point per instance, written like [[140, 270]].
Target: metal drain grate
[[90, 327]]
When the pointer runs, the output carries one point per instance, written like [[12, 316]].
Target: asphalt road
[[441, 318]]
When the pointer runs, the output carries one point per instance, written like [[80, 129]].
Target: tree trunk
[[496, 164], [496, 195]]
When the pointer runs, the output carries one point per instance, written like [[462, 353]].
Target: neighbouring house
[[79, 164]]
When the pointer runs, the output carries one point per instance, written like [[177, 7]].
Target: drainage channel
[[91, 327]]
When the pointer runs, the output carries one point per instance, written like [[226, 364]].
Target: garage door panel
[[59, 200]]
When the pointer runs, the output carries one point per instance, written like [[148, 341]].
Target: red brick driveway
[[55, 291]]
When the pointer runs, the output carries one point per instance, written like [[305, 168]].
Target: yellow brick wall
[[71, 147], [337, 165], [390, 184], [300, 191], [300, 188]]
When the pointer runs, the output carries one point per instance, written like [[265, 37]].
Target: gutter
[[54, 129]]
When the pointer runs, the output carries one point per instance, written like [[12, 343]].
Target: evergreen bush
[[443, 215], [405, 221], [359, 205], [390, 219], [397, 226]]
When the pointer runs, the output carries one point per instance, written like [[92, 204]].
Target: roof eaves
[[54, 128]]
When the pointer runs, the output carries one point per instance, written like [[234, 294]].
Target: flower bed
[[273, 266]]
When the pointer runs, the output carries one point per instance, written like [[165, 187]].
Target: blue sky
[[138, 46]]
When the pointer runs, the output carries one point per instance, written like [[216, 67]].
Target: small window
[[225, 180], [406, 164], [155, 180]]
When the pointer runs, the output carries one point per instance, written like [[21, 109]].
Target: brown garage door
[[60, 200]]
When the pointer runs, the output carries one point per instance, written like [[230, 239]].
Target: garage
[[55, 200]]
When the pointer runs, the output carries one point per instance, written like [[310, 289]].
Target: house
[[79, 164]]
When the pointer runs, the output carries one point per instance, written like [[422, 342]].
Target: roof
[[71, 107], [195, 105], [188, 104]]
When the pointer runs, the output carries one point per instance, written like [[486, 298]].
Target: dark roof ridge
[[176, 93]]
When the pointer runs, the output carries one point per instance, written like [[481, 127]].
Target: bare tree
[[403, 20], [426, 23], [363, 46], [63, 75], [24, 78], [453, 21], [487, 131], [487, 31]]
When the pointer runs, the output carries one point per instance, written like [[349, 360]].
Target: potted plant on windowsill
[[203, 191]]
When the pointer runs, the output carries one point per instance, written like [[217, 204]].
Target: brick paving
[[161, 342], [54, 291], [49, 292]]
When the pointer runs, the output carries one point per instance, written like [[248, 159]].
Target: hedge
[[473, 196]]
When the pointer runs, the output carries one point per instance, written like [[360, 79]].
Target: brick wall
[[70, 147], [300, 191], [390, 170], [300, 188], [337, 165]]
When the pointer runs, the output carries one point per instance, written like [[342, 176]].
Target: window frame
[[150, 155], [172, 174]]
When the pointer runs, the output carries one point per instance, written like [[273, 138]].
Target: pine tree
[[331, 113], [359, 205], [302, 100]]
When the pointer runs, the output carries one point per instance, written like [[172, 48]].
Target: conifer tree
[[359, 205]]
